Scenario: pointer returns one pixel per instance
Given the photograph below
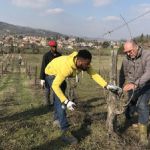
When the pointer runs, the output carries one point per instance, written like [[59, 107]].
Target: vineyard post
[[111, 100]]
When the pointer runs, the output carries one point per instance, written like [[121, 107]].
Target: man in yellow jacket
[[68, 66]]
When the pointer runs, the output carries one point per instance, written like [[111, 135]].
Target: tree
[[67, 38], [105, 44], [142, 38], [11, 48], [120, 50], [35, 48]]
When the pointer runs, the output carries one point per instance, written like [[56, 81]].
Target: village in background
[[27, 40]]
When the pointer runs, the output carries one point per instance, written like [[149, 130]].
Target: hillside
[[15, 29], [27, 124]]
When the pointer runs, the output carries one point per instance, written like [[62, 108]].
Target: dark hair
[[85, 54]]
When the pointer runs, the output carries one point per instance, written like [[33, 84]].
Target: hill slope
[[15, 29]]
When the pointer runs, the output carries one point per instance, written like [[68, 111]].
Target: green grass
[[25, 124]]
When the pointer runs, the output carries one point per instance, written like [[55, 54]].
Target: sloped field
[[26, 124]]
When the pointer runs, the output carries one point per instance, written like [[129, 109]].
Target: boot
[[143, 135], [67, 137]]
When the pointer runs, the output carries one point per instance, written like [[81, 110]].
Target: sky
[[83, 18]]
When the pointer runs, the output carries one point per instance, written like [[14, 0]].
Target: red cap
[[52, 43]]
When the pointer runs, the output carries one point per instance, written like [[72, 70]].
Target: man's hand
[[114, 88], [69, 104], [129, 86], [42, 83]]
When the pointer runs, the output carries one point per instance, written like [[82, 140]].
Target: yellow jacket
[[63, 67]]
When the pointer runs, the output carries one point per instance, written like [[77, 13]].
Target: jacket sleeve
[[121, 76], [146, 76], [56, 87], [42, 72], [96, 77]]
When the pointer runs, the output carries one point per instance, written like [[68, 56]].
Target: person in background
[[135, 79], [56, 72], [47, 57]]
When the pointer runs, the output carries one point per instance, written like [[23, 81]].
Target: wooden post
[[71, 86], [2, 68], [35, 75], [26, 68], [29, 72], [111, 101]]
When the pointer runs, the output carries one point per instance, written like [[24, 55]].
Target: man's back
[[63, 65]]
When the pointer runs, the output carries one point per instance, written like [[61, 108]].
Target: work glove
[[42, 83], [69, 104], [115, 89]]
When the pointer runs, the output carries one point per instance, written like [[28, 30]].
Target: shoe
[[67, 137], [143, 134], [56, 124]]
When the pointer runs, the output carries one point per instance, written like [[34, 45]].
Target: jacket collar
[[139, 52]]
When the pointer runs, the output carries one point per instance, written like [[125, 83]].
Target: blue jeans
[[139, 103], [59, 112]]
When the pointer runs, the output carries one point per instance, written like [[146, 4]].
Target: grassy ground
[[26, 124]]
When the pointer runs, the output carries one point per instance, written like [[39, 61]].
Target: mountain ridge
[[7, 28]]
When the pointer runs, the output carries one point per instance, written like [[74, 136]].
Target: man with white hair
[[135, 79]]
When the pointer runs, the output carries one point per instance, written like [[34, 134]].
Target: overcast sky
[[91, 18]]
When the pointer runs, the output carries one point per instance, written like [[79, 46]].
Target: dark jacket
[[47, 57], [136, 70]]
